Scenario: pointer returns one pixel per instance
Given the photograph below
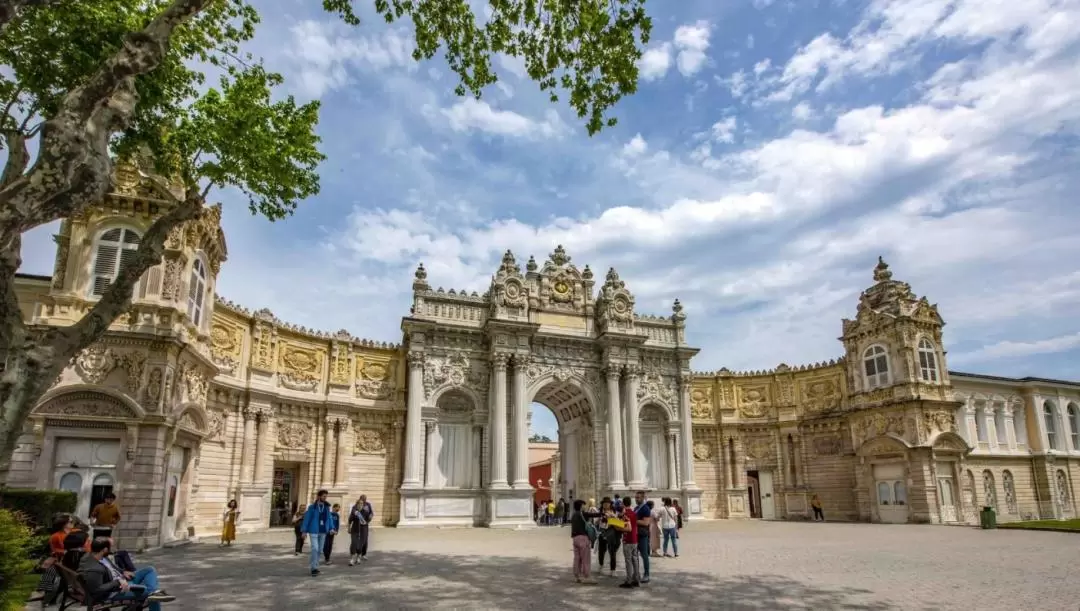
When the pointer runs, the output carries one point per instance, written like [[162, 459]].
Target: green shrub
[[16, 537], [39, 506]]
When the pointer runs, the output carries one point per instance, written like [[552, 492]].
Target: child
[[335, 522], [298, 523]]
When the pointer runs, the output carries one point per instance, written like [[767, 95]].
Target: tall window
[[1010, 492], [988, 489], [1051, 425], [197, 292], [876, 363], [928, 370], [980, 423], [999, 424], [115, 248], [1074, 425]]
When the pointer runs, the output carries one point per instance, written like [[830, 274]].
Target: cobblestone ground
[[722, 565]]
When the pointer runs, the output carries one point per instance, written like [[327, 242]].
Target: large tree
[[95, 79]]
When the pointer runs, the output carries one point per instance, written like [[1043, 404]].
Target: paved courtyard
[[722, 565]]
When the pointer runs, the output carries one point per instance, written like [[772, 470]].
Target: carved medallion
[[828, 445], [369, 441], [938, 421], [293, 435], [759, 449], [374, 389], [702, 450], [375, 371], [95, 363], [657, 386], [754, 402], [154, 384], [216, 426], [700, 404]]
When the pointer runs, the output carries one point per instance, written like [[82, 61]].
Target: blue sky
[[774, 150]]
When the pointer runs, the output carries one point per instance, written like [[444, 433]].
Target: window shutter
[[104, 267]]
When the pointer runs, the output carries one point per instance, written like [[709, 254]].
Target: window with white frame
[[1051, 425], [114, 248], [928, 369], [989, 494], [999, 424], [980, 423], [876, 366], [197, 292], [1020, 424], [1074, 425], [1010, 492]]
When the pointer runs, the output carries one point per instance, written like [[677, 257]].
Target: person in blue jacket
[[318, 522]]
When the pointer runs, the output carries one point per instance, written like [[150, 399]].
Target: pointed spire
[[531, 265], [587, 273], [559, 257], [509, 265]]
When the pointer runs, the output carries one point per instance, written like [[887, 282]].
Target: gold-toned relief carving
[[826, 445], [879, 395], [702, 450], [759, 448], [882, 446], [300, 368], [263, 349], [876, 425], [701, 404], [820, 395], [370, 441], [339, 364], [293, 435], [754, 401], [95, 363], [226, 343], [937, 421], [950, 444], [373, 378], [216, 426], [85, 403], [787, 391]]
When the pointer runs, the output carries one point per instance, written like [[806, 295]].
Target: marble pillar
[[342, 451], [687, 434], [329, 448], [262, 446], [633, 433], [248, 454], [498, 421], [615, 437], [521, 425], [413, 433], [672, 483], [429, 454]]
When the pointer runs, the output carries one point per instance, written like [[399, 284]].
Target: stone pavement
[[722, 565]]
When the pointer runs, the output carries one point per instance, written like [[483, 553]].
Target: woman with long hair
[[360, 517], [610, 537], [582, 533], [229, 518]]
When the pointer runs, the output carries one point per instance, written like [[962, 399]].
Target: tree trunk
[[36, 358], [9, 9]]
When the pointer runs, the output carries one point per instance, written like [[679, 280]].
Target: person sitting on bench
[[104, 581]]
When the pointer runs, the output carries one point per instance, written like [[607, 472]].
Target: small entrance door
[[892, 501], [86, 467], [948, 499], [284, 498], [768, 503], [753, 489], [173, 476]]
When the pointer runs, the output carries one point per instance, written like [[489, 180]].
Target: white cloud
[[655, 62], [636, 146], [802, 111], [1013, 349], [692, 41], [724, 130], [472, 114], [323, 53]]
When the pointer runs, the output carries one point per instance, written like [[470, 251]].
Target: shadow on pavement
[[261, 576]]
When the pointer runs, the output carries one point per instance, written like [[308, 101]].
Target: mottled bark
[[9, 9], [39, 356]]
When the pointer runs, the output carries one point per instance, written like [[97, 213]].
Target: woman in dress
[[228, 523], [654, 530]]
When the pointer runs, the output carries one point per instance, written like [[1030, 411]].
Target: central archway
[[572, 403]]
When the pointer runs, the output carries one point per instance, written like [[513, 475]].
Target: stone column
[[413, 433], [672, 484], [262, 446], [687, 434], [615, 441], [248, 453], [329, 444], [429, 452], [633, 435], [498, 421], [521, 424], [342, 451], [968, 427]]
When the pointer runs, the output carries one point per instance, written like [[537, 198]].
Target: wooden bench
[[75, 594]]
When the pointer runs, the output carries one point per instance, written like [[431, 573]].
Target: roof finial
[[420, 282], [881, 271]]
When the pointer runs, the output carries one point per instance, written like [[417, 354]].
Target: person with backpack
[[583, 533], [669, 525]]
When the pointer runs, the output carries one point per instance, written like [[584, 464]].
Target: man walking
[[630, 547], [644, 521], [317, 524]]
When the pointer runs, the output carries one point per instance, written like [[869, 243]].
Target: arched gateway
[[617, 382]]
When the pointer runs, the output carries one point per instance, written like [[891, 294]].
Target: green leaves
[[238, 136], [587, 48]]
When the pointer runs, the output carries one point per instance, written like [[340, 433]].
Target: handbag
[[590, 530], [616, 523]]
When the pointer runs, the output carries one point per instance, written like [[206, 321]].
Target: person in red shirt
[[631, 556]]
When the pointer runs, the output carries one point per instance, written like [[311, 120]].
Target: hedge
[[39, 506], [16, 539]]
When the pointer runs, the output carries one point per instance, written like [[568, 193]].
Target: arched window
[[1010, 491], [115, 247], [197, 292], [988, 489], [1051, 425], [928, 369], [1074, 425], [876, 363]]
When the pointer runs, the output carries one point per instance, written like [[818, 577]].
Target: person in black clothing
[[360, 517], [579, 534], [610, 538], [298, 523]]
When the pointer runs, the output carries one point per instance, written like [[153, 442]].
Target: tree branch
[[9, 9], [17, 159], [73, 167], [117, 297]]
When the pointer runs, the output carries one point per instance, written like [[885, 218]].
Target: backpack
[[590, 530]]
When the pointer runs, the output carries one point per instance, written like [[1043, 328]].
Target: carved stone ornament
[[95, 363], [882, 446], [759, 449], [938, 421], [154, 385], [754, 402], [216, 426], [170, 284], [702, 450], [188, 421], [196, 384], [876, 425], [293, 435], [949, 444], [654, 385], [700, 404], [300, 369], [370, 441], [820, 396], [225, 347], [89, 404], [827, 445], [456, 370], [374, 389], [134, 363]]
